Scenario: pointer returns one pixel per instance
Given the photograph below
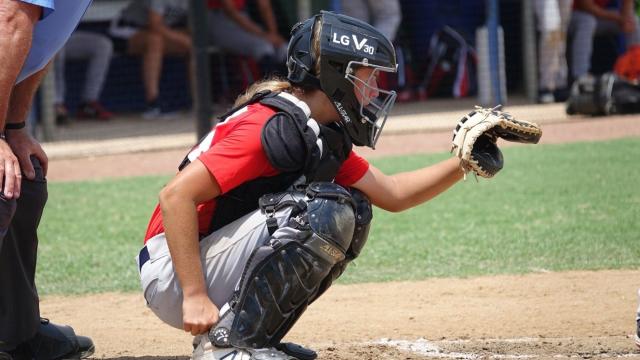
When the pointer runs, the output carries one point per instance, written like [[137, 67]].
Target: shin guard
[[282, 276]]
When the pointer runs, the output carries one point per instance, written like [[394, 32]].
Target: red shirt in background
[[217, 4], [233, 154]]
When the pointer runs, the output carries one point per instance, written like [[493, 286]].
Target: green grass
[[553, 207], [90, 233], [560, 207]]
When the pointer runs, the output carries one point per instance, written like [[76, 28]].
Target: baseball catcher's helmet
[[345, 45]]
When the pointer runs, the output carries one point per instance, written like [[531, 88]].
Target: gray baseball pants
[[229, 36], [223, 256], [384, 15], [97, 49]]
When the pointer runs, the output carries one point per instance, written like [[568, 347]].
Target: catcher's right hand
[[475, 137]]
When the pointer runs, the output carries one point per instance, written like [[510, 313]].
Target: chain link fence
[[491, 51]]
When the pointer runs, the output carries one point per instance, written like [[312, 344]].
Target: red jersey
[[217, 4], [233, 154]]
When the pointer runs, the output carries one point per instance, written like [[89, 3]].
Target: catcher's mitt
[[475, 137]]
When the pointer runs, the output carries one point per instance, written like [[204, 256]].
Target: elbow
[[393, 209], [397, 209], [394, 206], [164, 198], [169, 196], [395, 200]]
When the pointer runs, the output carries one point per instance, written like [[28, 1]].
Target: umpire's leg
[[19, 310]]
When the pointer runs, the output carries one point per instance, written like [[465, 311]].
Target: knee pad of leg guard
[[364, 215], [283, 275]]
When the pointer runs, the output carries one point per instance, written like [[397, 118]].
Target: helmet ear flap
[[300, 57]]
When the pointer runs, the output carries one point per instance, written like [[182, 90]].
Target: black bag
[[452, 65], [607, 94]]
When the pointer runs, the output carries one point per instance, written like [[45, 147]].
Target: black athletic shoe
[[5, 356], [545, 97], [561, 95], [638, 333], [297, 351], [54, 342]]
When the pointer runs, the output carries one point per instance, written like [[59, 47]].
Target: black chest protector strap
[[271, 203]]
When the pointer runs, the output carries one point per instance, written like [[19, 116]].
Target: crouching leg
[[294, 267]]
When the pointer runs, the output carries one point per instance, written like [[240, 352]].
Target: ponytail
[[273, 84], [276, 84]]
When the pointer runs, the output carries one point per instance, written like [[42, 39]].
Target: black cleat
[[298, 351], [638, 333], [54, 342]]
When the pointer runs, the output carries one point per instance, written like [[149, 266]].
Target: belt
[[143, 257]]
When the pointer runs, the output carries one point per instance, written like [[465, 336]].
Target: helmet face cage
[[373, 110]]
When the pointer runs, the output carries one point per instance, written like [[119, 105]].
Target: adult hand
[[10, 175], [199, 314], [23, 146]]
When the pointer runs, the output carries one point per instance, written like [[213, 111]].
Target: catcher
[[271, 207]]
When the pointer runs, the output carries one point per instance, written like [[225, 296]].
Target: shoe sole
[[83, 354]]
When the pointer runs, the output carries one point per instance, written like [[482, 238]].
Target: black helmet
[[346, 44]]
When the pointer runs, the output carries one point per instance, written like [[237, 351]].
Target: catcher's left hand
[[475, 137]]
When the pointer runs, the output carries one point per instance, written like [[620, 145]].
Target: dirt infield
[[546, 315], [542, 315]]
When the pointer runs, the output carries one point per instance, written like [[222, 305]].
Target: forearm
[[418, 186], [266, 11], [405, 190], [595, 10], [241, 19], [181, 229], [16, 30], [22, 96], [157, 25], [179, 37], [627, 8]]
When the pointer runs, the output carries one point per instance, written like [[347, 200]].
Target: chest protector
[[302, 150]]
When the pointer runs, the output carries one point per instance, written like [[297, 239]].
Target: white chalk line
[[431, 349]]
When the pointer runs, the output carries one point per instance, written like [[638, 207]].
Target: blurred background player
[[233, 30], [153, 29], [384, 15], [552, 20], [595, 17], [98, 50]]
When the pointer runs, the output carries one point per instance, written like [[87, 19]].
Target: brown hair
[[277, 84], [273, 84]]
